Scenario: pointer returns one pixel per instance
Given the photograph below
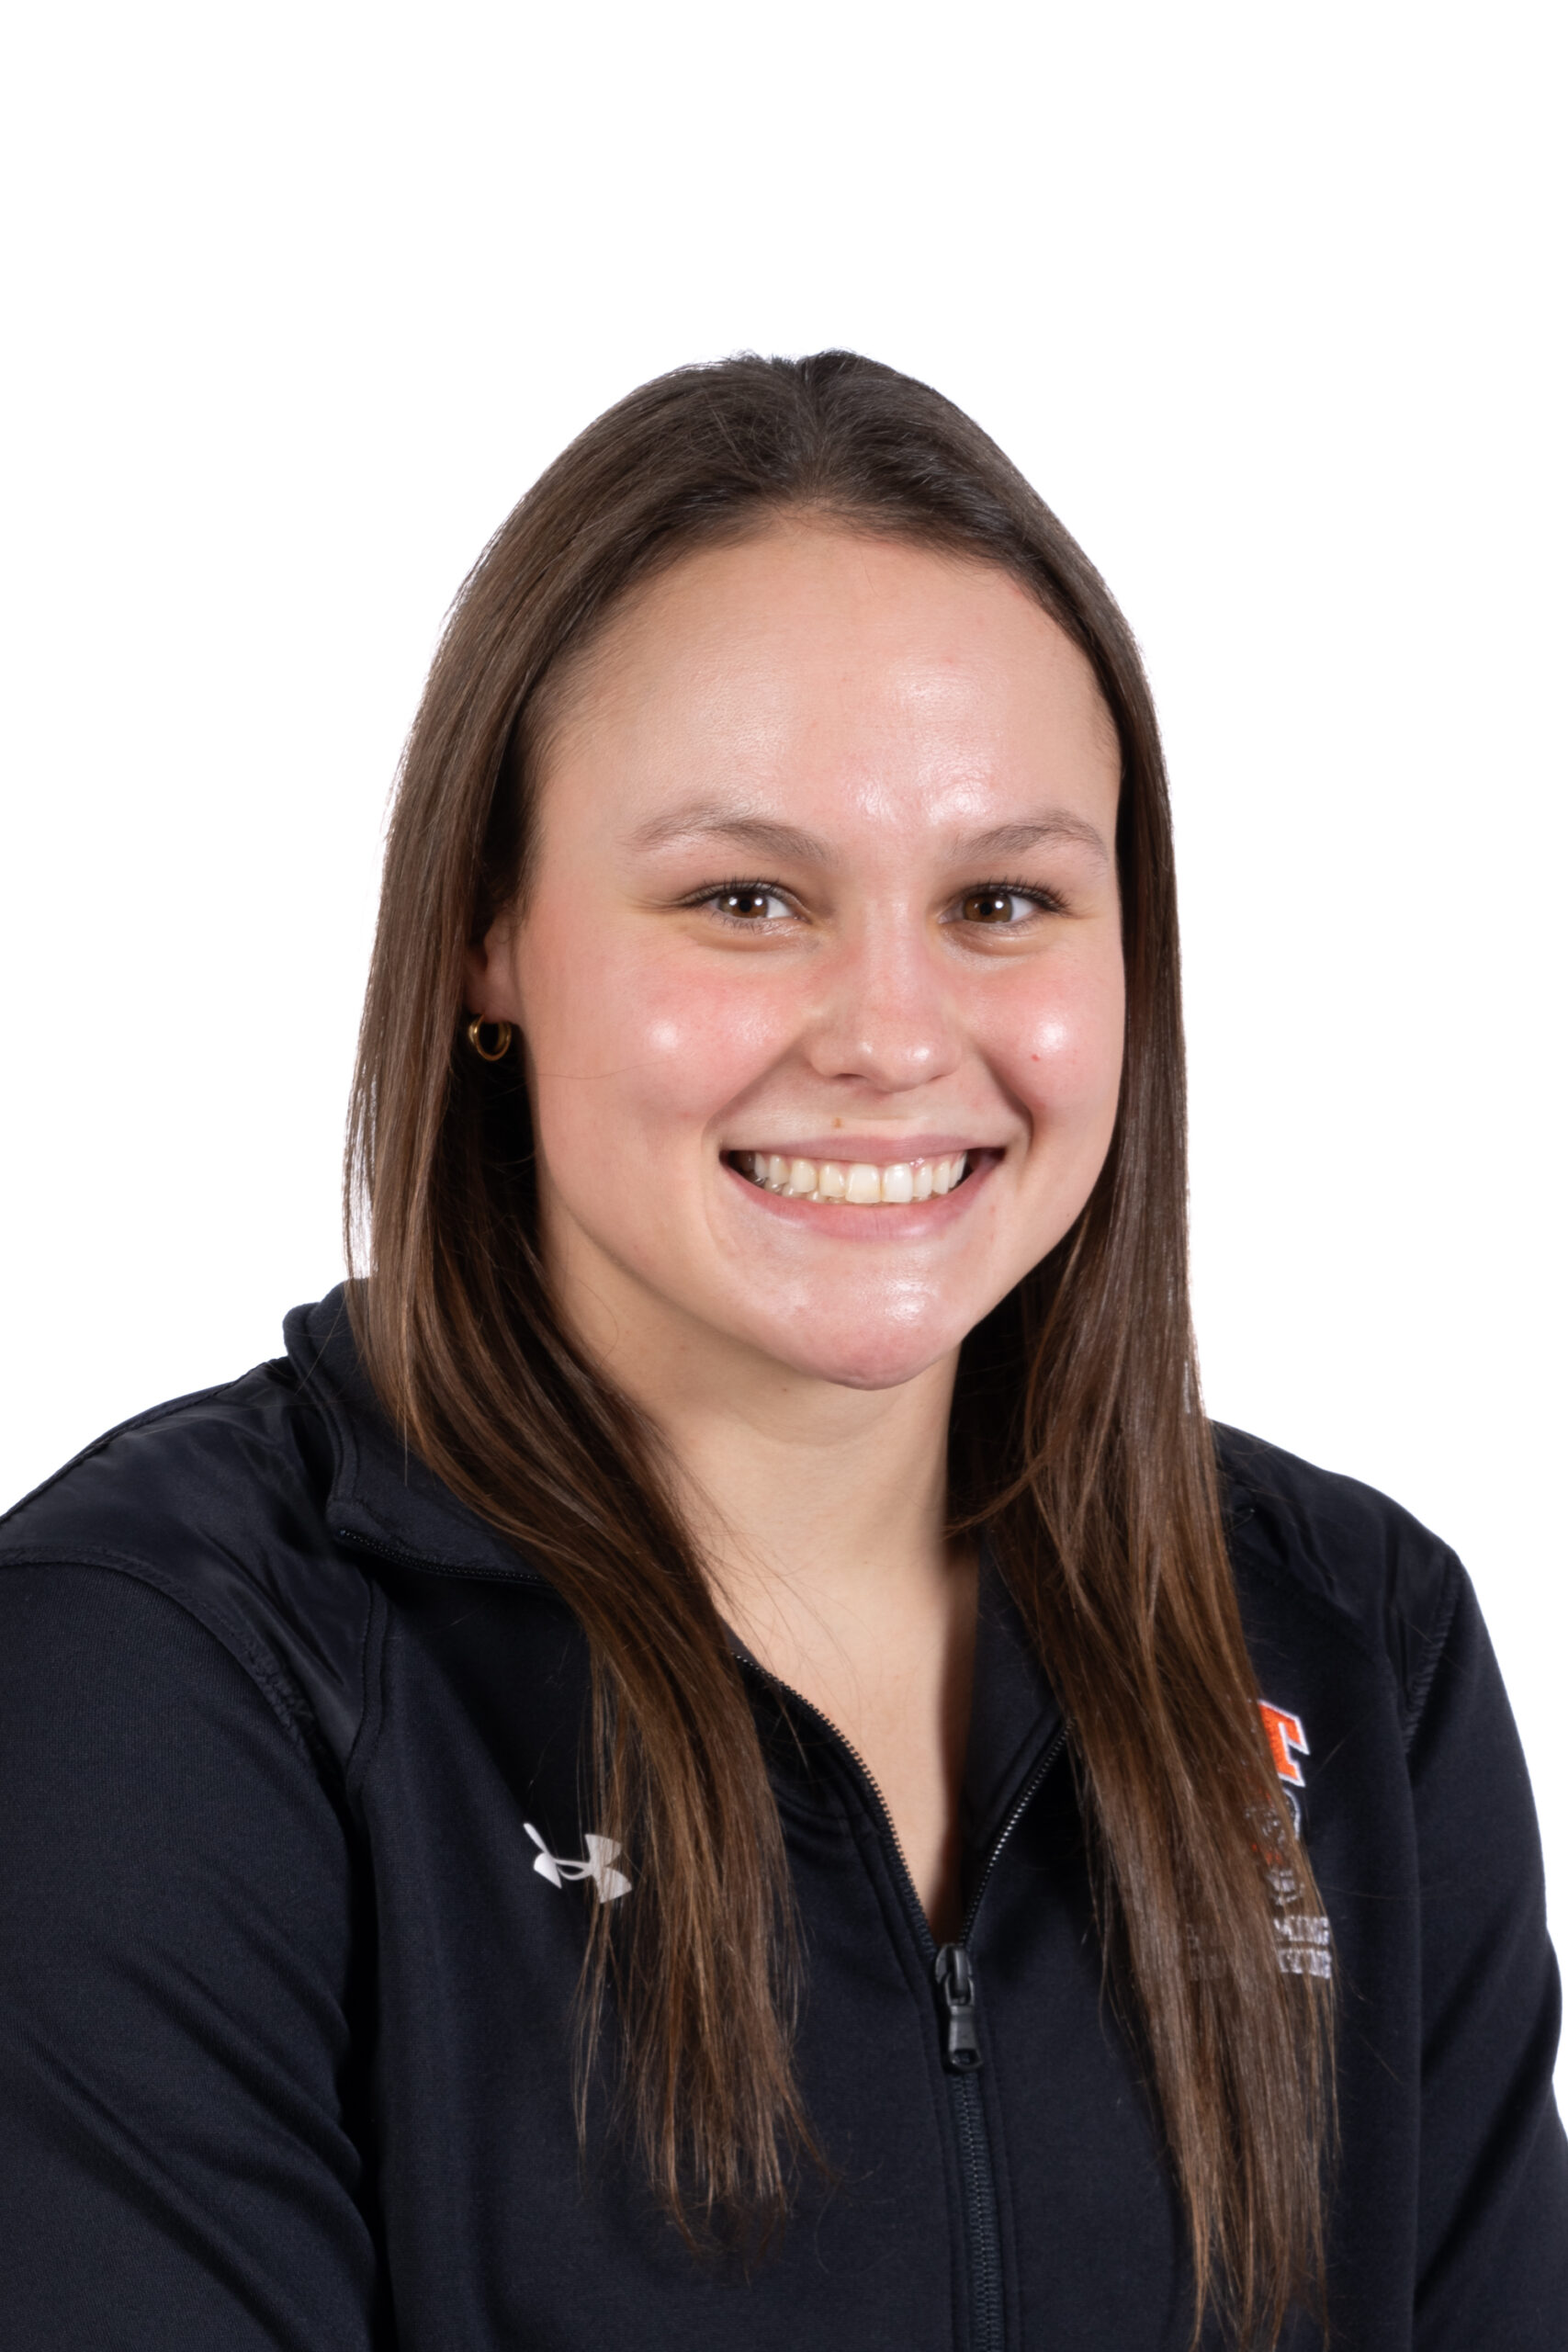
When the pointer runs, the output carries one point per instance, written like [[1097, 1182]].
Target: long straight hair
[[1078, 1438]]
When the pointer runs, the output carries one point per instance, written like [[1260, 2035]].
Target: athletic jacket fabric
[[295, 1884]]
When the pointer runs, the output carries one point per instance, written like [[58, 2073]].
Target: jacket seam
[[148, 1419], [283, 1699], [372, 1692], [1437, 1641], [1282, 1577], [1411, 1699]]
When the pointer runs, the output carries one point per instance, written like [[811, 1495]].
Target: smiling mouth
[[853, 1183]]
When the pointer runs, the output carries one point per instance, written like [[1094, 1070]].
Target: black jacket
[[293, 1886]]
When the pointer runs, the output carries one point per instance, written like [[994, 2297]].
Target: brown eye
[[991, 906], [748, 902]]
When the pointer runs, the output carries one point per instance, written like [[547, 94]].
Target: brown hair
[[1079, 1439]]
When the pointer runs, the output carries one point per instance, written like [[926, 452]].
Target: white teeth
[[859, 1181]]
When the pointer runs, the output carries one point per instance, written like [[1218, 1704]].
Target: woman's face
[[824, 893]]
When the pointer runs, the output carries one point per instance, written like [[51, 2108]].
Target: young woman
[[719, 1756]]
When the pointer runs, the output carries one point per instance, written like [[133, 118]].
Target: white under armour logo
[[608, 1885]]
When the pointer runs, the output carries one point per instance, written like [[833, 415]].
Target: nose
[[886, 1016]]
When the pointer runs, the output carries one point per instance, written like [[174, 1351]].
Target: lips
[[853, 1183]]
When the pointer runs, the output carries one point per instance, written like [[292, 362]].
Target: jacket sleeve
[[1493, 2251], [178, 2088]]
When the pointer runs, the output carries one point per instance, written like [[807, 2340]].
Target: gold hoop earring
[[502, 1046]]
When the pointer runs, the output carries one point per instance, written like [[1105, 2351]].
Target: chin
[[862, 1359]]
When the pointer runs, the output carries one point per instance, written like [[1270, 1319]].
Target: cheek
[[1059, 1049], [629, 1048]]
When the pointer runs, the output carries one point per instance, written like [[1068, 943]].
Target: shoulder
[[1349, 1560], [216, 1501]]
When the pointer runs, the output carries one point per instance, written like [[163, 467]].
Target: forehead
[[811, 663]]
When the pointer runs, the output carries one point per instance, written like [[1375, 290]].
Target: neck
[[791, 1483]]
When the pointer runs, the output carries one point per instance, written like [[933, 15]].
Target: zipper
[[982, 2230], [957, 2008], [1053, 1749], [963, 2058]]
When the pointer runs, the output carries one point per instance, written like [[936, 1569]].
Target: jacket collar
[[382, 1493]]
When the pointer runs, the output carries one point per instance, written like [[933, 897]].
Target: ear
[[490, 975]]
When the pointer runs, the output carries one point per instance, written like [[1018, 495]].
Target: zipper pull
[[955, 1989]]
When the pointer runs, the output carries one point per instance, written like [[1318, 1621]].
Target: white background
[[1265, 302]]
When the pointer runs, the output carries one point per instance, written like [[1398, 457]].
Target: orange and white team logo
[[1287, 1740]]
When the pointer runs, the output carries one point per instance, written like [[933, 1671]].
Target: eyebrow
[[1051, 825], [710, 821]]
